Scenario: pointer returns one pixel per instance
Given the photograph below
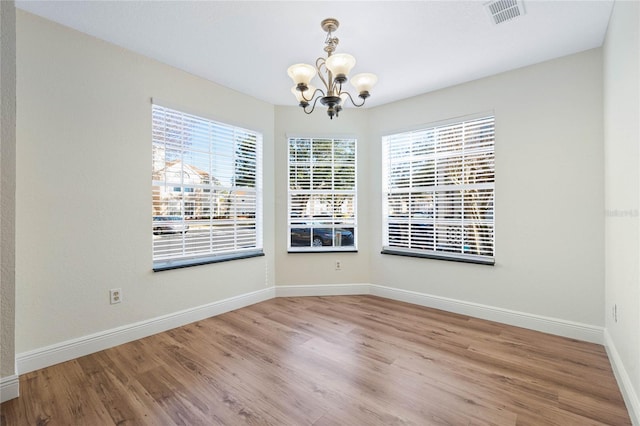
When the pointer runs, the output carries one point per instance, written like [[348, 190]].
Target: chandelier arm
[[351, 99], [312, 96], [313, 106], [320, 62]]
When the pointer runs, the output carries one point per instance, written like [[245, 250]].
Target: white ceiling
[[413, 46]]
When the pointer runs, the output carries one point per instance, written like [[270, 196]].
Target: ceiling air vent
[[504, 10]]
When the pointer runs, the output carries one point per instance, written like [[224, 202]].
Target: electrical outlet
[[338, 265], [116, 295]]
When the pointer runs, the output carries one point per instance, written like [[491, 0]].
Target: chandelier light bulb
[[308, 94], [340, 65], [364, 82], [301, 74]]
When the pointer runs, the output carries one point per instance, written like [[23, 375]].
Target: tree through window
[[439, 191], [207, 190]]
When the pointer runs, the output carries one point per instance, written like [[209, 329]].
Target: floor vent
[[504, 10]]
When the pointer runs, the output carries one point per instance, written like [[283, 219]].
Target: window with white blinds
[[322, 194], [438, 188], [206, 188]]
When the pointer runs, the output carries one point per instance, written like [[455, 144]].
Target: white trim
[[442, 122], [625, 384], [322, 290], [74, 348], [411, 196], [205, 113], [9, 388], [312, 194], [559, 327], [320, 135]]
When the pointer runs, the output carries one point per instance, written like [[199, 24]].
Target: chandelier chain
[[331, 43]]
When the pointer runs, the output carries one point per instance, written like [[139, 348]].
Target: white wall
[[83, 182], [622, 186], [7, 187], [84, 187], [319, 268], [83, 190], [549, 195], [549, 192]]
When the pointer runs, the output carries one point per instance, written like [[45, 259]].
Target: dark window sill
[[331, 250], [186, 263], [437, 256]]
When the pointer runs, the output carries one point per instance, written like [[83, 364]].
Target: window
[[439, 191], [207, 190], [322, 194]]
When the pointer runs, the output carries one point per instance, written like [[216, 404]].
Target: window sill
[[186, 263], [332, 250], [438, 256]]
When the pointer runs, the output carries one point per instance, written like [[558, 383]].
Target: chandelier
[[333, 72]]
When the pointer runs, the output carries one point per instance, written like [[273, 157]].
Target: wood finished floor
[[339, 360]]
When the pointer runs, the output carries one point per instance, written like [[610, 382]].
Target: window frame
[[352, 225], [432, 222], [220, 149]]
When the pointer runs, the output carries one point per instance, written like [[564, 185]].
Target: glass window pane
[[439, 189], [205, 177], [322, 193]]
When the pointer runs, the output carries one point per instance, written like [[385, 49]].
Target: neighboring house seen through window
[[207, 190], [322, 194], [438, 185]]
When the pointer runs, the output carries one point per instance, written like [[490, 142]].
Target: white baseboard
[[559, 327], [555, 326], [71, 349], [630, 396], [9, 388], [322, 290]]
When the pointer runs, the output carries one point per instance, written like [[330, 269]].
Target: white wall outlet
[[338, 265], [116, 295]]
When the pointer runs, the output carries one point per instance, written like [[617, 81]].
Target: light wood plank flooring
[[339, 360]]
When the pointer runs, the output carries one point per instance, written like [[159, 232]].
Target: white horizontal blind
[[439, 190], [207, 189], [322, 194]]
